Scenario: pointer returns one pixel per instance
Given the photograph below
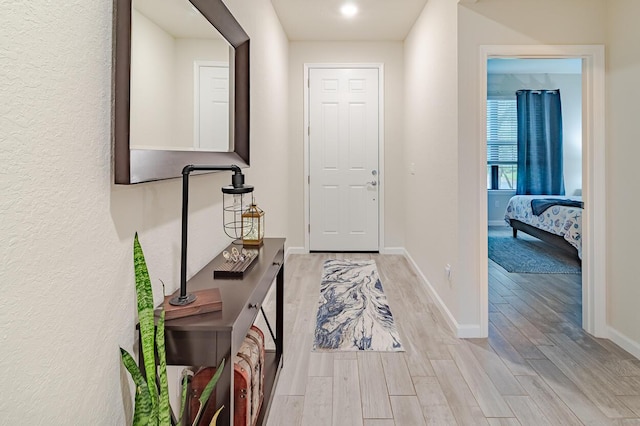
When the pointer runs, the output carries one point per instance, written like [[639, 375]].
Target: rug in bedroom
[[354, 314], [529, 255]]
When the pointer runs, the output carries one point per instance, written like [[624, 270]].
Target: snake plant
[[152, 398]]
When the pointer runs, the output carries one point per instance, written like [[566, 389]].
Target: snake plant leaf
[[142, 412], [163, 408], [144, 296], [206, 392], [183, 398], [215, 417], [143, 408]]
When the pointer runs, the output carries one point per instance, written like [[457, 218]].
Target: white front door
[[343, 159], [212, 108]]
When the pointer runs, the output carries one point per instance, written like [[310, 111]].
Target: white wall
[[497, 202], [162, 84], [442, 85], [502, 22], [388, 53], [152, 82], [269, 113], [431, 134], [68, 299], [623, 151], [187, 51]]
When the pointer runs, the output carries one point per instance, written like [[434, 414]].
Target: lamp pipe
[[237, 182]]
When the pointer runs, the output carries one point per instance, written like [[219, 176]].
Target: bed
[[558, 225]]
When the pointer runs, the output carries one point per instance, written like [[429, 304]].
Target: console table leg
[[280, 312]]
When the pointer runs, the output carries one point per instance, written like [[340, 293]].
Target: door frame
[[594, 291], [381, 174]]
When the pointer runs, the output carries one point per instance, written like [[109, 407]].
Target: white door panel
[[212, 114], [343, 159]]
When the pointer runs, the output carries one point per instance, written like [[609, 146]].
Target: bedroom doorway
[[524, 271], [585, 177]]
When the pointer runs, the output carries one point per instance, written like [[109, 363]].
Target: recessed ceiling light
[[349, 10]]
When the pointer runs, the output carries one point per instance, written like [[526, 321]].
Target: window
[[502, 143]]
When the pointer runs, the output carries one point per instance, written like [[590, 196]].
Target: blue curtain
[[539, 143]]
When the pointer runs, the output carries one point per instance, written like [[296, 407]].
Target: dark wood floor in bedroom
[[536, 368]]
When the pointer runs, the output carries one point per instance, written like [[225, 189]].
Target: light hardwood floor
[[536, 368]]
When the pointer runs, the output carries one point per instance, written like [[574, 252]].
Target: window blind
[[502, 131]]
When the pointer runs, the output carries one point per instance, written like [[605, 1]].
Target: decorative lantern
[[234, 204], [253, 226]]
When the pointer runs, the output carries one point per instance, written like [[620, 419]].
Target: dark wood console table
[[205, 339]]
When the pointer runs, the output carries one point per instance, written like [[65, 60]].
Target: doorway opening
[[593, 176], [534, 267]]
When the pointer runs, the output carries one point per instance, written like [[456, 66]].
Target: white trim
[[393, 250], [498, 223], [593, 174], [460, 330], [381, 169], [594, 290], [295, 250], [624, 342], [165, 148], [305, 126], [446, 313], [469, 331]]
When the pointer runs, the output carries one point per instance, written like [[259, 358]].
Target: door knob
[[372, 183]]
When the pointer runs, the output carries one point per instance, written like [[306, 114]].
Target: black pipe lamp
[[237, 198]]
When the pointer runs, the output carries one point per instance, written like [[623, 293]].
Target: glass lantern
[[253, 226], [234, 204]]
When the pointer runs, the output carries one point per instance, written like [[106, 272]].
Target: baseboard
[[624, 342], [498, 223], [469, 331], [393, 250], [294, 250], [460, 330]]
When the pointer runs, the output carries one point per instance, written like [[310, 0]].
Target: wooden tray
[[206, 301], [231, 269]]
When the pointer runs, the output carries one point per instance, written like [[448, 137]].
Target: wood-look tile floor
[[536, 368]]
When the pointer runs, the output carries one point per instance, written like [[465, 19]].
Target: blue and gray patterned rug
[[529, 255], [353, 314]]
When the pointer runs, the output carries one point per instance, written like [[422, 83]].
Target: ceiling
[[178, 18], [321, 20]]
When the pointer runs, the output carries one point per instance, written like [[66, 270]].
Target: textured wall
[[66, 231], [66, 284]]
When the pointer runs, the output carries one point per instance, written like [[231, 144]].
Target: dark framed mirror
[[135, 116]]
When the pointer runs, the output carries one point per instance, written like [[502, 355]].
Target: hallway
[[537, 366]]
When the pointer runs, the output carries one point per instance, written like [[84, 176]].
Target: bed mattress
[[558, 220]]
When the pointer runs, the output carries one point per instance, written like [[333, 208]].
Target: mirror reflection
[[180, 79]]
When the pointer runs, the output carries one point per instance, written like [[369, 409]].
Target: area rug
[[353, 314], [529, 255]]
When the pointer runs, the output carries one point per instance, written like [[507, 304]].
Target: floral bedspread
[[558, 220]]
